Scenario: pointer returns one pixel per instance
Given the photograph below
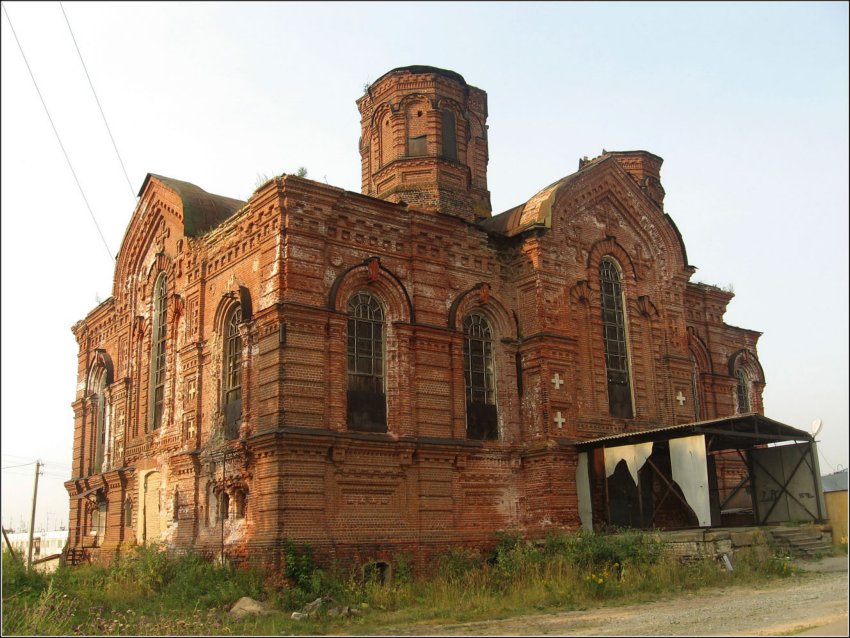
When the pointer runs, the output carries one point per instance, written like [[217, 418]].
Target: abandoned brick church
[[397, 369]]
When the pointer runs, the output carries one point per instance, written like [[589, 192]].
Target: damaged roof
[[201, 210], [537, 211]]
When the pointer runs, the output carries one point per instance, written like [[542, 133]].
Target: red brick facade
[[154, 409]]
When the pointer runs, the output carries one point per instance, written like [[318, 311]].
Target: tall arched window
[[695, 387], [160, 324], [232, 372], [449, 134], [99, 423], [743, 391], [367, 405], [481, 417], [614, 336]]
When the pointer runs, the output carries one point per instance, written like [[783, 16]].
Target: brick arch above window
[[480, 298], [101, 364], [415, 99], [746, 360], [609, 247], [700, 351], [240, 297], [371, 275]]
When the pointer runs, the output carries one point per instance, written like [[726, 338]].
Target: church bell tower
[[424, 141]]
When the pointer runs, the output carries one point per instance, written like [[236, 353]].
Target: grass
[[150, 592]]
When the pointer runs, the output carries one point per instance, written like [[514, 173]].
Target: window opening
[[377, 573], [233, 373], [366, 398], [158, 351], [481, 417], [223, 506], [128, 513], [743, 391], [99, 522], [449, 135], [614, 336], [695, 387], [100, 423]]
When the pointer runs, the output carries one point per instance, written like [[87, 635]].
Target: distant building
[[398, 370], [835, 494], [44, 545]]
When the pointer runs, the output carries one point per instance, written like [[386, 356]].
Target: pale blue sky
[[746, 102]]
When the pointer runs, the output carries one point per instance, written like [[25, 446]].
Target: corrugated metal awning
[[738, 431]]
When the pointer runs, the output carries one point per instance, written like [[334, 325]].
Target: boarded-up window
[[614, 336], [449, 135], [417, 146], [481, 416], [386, 133], [367, 406]]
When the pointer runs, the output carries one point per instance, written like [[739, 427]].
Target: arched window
[[128, 513], [223, 506], [232, 372], [614, 336], [386, 133], [240, 499], [743, 391], [99, 423], [449, 135], [175, 506], [481, 417], [99, 522], [367, 405], [417, 129], [695, 387], [211, 513], [160, 324]]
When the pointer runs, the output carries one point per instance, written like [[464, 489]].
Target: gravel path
[[784, 606]]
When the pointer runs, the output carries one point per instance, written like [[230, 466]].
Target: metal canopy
[[741, 431], [783, 481]]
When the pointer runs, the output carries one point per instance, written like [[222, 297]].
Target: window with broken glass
[[367, 407], [743, 391], [481, 416], [614, 336], [158, 352]]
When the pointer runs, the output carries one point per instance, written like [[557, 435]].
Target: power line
[[58, 139], [108, 130], [9, 467]]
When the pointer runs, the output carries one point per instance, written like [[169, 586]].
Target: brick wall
[[295, 253]]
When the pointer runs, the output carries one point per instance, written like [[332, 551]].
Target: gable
[[605, 193], [168, 211]]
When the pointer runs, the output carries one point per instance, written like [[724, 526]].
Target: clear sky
[[746, 103]]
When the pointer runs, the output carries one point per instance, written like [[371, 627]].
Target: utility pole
[[32, 518]]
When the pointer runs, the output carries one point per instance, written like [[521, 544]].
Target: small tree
[[301, 172]]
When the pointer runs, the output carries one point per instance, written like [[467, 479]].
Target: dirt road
[[792, 605]]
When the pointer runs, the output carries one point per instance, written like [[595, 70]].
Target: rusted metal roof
[[201, 210], [421, 68], [537, 211], [751, 428]]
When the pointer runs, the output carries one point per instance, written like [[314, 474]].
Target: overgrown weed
[[149, 591]]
